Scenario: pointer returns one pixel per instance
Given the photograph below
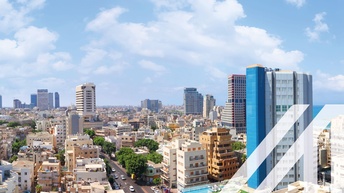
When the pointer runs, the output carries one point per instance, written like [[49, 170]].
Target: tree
[[109, 148], [149, 143], [99, 140], [122, 155], [238, 145], [157, 181], [13, 158], [38, 188], [90, 132], [107, 167], [61, 157], [111, 180], [2, 122], [136, 164], [155, 157], [13, 124], [243, 158], [17, 145]]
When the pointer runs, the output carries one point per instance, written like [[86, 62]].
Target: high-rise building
[[193, 102], [33, 101], [42, 99], [270, 93], [51, 100], [153, 105], [17, 104], [57, 100], [208, 105], [86, 99], [234, 113], [0, 101], [222, 162]]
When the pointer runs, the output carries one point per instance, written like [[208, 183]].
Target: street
[[124, 184]]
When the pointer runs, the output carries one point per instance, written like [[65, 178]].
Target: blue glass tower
[[33, 101], [255, 117]]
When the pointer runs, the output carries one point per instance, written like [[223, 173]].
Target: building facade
[[193, 102], [234, 114], [86, 99], [51, 100], [57, 100], [33, 100], [222, 162], [153, 105], [43, 99], [208, 105], [270, 93]]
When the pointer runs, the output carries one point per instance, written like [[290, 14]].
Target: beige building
[[49, 175], [40, 136], [25, 171], [184, 164], [222, 162]]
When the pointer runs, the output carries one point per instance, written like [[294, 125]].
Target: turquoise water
[[316, 109]]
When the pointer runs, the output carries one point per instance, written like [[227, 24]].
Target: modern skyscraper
[[42, 99], [86, 99], [17, 104], [33, 100], [193, 102], [270, 93], [208, 105], [57, 100], [51, 100], [153, 105], [0, 101], [234, 113]]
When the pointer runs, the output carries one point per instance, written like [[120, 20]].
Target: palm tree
[[38, 188]]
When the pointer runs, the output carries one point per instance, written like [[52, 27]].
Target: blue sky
[[138, 49]]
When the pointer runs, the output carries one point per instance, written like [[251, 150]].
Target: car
[[131, 188], [116, 176], [113, 170], [122, 177], [153, 188]]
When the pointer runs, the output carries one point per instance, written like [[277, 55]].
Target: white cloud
[[204, 35], [325, 81], [320, 26], [14, 17], [297, 3], [159, 69]]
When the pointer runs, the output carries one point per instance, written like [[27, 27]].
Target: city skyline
[[161, 47]]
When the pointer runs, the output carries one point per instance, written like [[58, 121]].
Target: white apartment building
[[60, 134], [184, 164], [10, 183], [208, 104], [337, 151], [86, 99], [90, 170], [25, 171]]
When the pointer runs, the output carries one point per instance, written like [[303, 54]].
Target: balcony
[[165, 170], [165, 177], [200, 166]]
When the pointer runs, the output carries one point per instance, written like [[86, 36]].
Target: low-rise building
[[49, 175], [25, 171]]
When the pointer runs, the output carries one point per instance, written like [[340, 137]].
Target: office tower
[[234, 113], [208, 105], [33, 100], [221, 159], [17, 104], [270, 93], [74, 124], [42, 99], [193, 102], [51, 100], [0, 101], [153, 105], [86, 99], [57, 100]]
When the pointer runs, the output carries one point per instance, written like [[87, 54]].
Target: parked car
[[122, 177], [116, 176], [113, 170], [131, 188]]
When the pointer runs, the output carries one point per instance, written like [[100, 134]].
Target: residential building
[[57, 100], [234, 114], [74, 124], [152, 105], [153, 171], [42, 99], [60, 134], [270, 93], [51, 100], [222, 162], [49, 175], [9, 179], [90, 169], [208, 105], [193, 102], [33, 101], [337, 151], [39, 136], [25, 171]]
